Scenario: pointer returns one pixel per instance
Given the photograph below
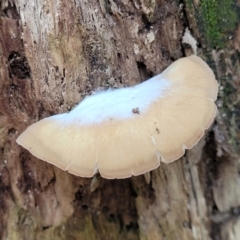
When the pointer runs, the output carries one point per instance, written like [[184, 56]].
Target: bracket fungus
[[105, 133]]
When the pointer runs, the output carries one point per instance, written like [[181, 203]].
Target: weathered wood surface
[[52, 54]]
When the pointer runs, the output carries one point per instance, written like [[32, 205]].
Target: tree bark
[[52, 54]]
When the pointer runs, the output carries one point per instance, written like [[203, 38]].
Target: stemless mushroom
[[128, 131]]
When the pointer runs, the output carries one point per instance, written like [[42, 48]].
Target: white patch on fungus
[[116, 104]]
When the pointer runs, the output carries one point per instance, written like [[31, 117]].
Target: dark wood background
[[52, 54]]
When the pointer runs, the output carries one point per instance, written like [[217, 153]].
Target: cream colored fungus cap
[[128, 131]]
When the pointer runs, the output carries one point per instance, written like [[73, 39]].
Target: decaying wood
[[52, 54]]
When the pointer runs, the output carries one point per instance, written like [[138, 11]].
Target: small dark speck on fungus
[[136, 110]]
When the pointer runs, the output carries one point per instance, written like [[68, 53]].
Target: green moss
[[219, 18]]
